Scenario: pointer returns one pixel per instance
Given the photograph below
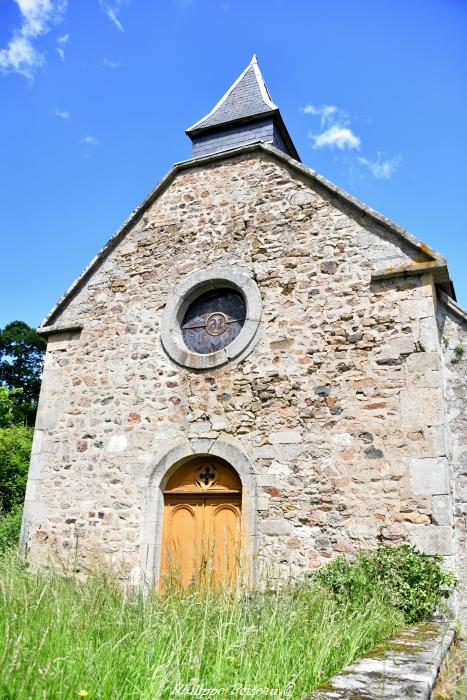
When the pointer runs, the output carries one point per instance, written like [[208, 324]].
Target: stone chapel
[[256, 360]]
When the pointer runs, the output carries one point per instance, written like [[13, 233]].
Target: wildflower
[[83, 693]]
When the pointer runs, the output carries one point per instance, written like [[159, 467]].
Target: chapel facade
[[255, 360]]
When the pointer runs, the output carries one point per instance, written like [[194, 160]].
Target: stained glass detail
[[213, 320]]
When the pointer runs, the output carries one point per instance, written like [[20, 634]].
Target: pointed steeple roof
[[230, 120], [248, 97]]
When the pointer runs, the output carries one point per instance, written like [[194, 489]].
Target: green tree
[[7, 406], [15, 449], [21, 362]]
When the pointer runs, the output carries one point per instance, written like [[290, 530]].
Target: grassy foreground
[[62, 638]]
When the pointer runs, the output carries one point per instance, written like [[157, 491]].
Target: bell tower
[[245, 114]]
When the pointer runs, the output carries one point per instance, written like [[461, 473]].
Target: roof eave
[[451, 304], [198, 131]]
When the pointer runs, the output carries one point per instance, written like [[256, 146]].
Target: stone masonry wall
[[339, 405], [453, 335]]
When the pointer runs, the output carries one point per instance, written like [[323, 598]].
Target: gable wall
[[339, 406]]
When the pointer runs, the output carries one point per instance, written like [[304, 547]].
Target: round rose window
[[213, 320], [212, 317]]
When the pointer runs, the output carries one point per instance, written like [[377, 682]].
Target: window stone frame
[[195, 284]]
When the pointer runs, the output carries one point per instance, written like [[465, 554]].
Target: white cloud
[[337, 136], [107, 63], [336, 133], [324, 110], [90, 141], [381, 169], [62, 41], [20, 55], [112, 9], [334, 122], [327, 113], [62, 115]]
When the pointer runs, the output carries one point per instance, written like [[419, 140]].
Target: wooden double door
[[201, 532]]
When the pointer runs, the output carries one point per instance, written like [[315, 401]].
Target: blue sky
[[95, 97]]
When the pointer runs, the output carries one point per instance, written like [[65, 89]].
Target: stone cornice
[[53, 330], [436, 267]]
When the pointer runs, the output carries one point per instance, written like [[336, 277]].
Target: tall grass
[[60, 637]]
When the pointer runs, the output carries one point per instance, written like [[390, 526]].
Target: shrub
[[403, 577], [10, 525], [458, 354]]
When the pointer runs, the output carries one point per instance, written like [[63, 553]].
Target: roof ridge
[[262, 85]]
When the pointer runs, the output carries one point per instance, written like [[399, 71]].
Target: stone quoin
[[339, 397]]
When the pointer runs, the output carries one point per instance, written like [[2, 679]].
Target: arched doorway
[[201, 523]]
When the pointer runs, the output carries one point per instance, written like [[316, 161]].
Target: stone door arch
[[167, 463]]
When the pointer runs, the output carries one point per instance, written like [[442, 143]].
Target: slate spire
[[245, 114]]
